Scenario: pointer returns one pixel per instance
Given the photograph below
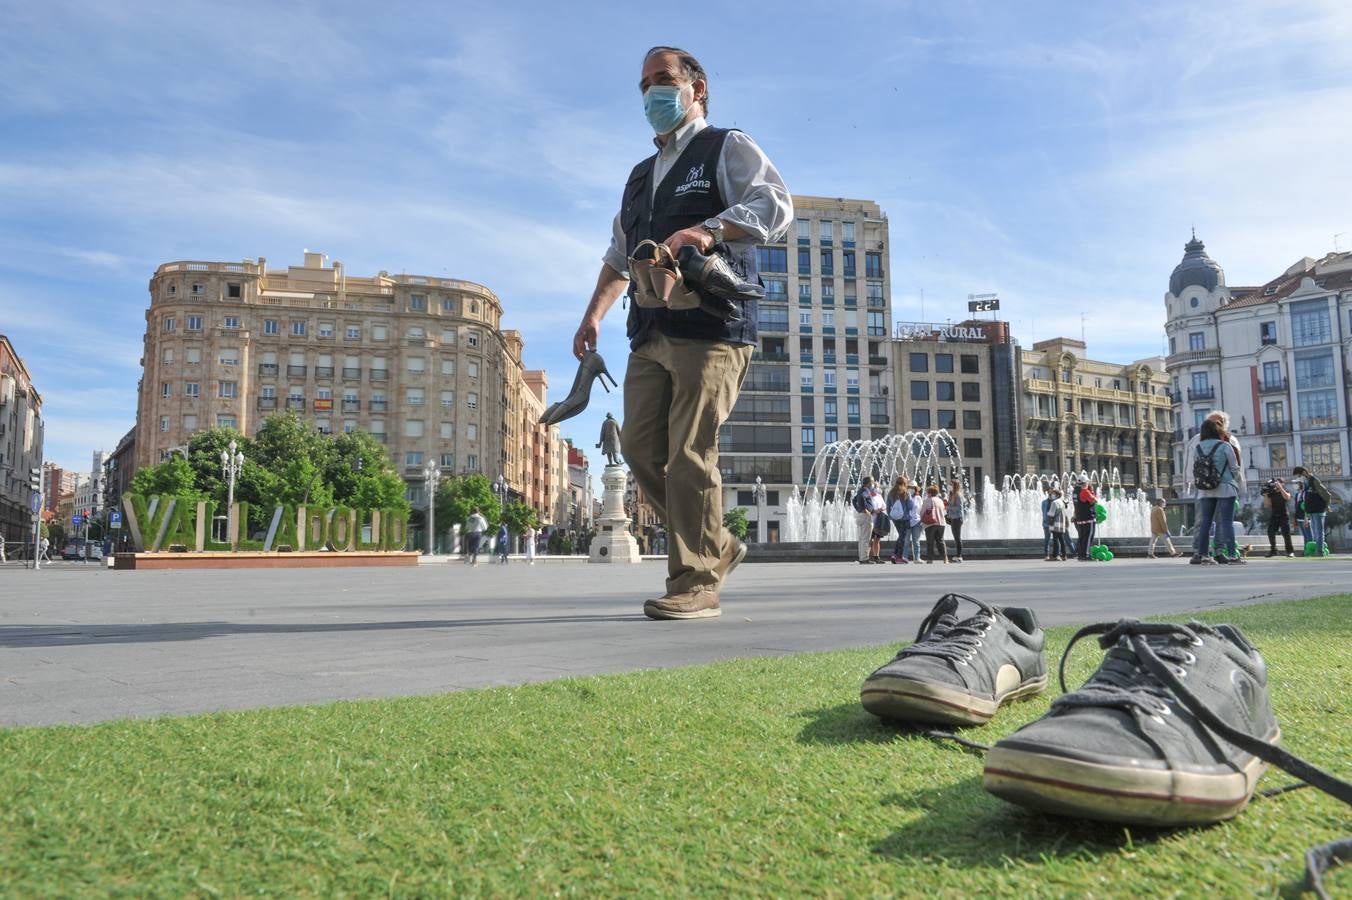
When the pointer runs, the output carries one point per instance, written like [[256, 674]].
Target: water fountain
[[1012, 510]]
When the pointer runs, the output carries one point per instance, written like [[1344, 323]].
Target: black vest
[[688, 195]]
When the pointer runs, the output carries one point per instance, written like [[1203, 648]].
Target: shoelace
[[1113, 685], [942, 635]]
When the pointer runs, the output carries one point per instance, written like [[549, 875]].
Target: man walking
[[715, 190], [475, 528], [1314, 499], [1159, 529]]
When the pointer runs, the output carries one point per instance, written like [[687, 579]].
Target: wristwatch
[[715, 227]]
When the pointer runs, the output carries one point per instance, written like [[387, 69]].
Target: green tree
[[457, 496], [362, 475], [173, 476], [518, 516], [734, 520]]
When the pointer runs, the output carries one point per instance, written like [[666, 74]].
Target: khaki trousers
[[677, 392]]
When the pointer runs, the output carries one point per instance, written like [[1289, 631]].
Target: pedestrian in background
[[1314, 500], [932, 517], [1159, 528], [530, 545], [1216, 480], [898, 510], [863, 518], [1278, 499], [953, 514], [1060, 525], [917, 529], [1084, 518], [474, 534], [1047, 540], [504, 541]]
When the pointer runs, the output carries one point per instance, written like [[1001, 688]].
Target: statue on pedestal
[[610, 440]]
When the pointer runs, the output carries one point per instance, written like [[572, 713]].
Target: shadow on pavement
[[70, 636], [962, 823]]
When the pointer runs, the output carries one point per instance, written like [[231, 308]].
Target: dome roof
[[1196, 269]]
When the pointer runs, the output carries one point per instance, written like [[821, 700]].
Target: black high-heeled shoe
[[589, 369]]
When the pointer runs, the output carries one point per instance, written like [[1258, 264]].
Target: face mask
[[663, 107]]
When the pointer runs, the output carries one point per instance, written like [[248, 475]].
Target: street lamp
[[232, 460], [500, 488], [431, 478]]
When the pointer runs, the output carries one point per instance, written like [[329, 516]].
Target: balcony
[[323, 371], [805, 357], [351, 406], [1175, 397], [1273, 387], [878, 419], [1316, 422], [1192, 356], [877, 360], [352, 374], [828, 359], [1206, 393], [851, 302], [267, 402], [1276, 426], [876, 302], [774, 357], [851, 359], [298, 371], [267, 368], [377, 405], [380, 374], [851, 273], [296, 403]]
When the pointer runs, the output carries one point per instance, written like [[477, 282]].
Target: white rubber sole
[[1112, 793], [652, 611], [906, 700]]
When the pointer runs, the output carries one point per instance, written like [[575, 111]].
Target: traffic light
[[35, 479]]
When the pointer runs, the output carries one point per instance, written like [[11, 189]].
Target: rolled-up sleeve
[[615, 256], [761, 204]]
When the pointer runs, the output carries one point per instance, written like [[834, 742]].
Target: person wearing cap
[[1085, 501]]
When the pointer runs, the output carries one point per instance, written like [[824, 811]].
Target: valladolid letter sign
[[184, 523]]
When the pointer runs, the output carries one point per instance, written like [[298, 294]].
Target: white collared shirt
[[761, 205]]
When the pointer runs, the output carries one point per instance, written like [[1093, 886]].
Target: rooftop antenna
[[1082, 338]]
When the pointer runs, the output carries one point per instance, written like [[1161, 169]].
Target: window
[[164, 423], [415, 397], [828, 260], [448, 460], [828, 318], [197, 288], [971, 419], [166, 390], [353, 333], [1196, 341], [326, 329], [808, 436], [417, 302], [971, 392], [804, 230], [875, 293], [805, 378], [1200, 383], [943, 362], [825, 230], [920, 419], [298, 329], [847, 233], [190, 423], [168, 355], [830, 434], [943, 390], [447, 305], [1310, 323], [194, 323], [472, 339], [1318, 409], [971, 447], [170, 325], [772, 319], [1322, 452], [448, 365], [225, 421], [873, 265], [447, 431], [919, 362], [380, 333], [192, 389], [829, 378], [1314, 370], [828, 293], [472, 400], [776, 290], [920, 390], [413, 428], [1272, 374], [852, 379], [947, 418], [232, 291], [876, 326], [229, 356], [192, 355], [472, 431], [231, 322], [970, 364], [349, 426], [417, 365], [772, 259], [173, 289], [472, 462], [804, 261], [472, 368], [805, 293], [227, 390], [804, 318]]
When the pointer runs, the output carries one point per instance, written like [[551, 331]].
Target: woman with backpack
[[899, 511], [953, 514], [932, 517], [1085, 519], [1218, 481]]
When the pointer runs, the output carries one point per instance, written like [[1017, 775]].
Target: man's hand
[[697, 237], [585, 338]]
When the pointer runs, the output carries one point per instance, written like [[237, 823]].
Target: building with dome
[[1275, 357]]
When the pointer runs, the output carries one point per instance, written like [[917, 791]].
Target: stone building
[[420, 362], [1277, 358], [822, 369], [1085, 415], [21, 433]]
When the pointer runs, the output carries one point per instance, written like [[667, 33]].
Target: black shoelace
[[943, 636]]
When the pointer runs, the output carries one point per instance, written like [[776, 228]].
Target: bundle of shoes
[[1174, 728], [689, 280]]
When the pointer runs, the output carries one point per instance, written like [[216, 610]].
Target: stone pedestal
[[613, 542]]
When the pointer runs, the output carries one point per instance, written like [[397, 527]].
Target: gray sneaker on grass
[[959, 672]]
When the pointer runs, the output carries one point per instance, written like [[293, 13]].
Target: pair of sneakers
[[1174, 728]]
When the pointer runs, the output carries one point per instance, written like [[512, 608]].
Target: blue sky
[[1057, 155]]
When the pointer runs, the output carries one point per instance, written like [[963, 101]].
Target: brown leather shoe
[[698, 603], [734, 551]]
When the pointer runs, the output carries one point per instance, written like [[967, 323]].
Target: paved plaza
[[86, 645]]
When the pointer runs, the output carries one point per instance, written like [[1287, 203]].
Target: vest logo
[[695, 182]]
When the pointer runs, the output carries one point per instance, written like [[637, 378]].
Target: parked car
[[82, 550]]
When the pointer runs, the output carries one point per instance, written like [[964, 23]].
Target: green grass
[[753, 776]]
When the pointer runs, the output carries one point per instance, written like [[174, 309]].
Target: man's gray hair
[[689, 65]]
